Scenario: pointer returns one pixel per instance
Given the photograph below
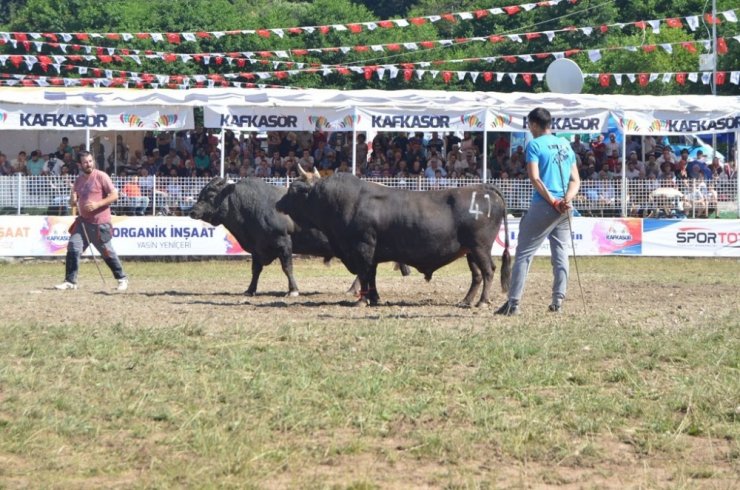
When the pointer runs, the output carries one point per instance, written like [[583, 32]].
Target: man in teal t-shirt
[[551, 165]]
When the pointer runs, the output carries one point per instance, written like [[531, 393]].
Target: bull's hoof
[[361, 303], [292, 294], [483, 304], [428, 277], [352, 292], [463, 304], [248, 293]]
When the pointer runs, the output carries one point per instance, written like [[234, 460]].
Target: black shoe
[[507, 310], [555, 307]]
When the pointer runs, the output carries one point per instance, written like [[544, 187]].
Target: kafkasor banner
[[694, 238], [114, 118], [44, 236], [425, 120], [279, 118], [665, 122], [583, 121], [591, 236]]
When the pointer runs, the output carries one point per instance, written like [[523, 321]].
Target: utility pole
[[714, 71]]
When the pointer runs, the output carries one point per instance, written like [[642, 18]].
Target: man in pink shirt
[[93, 193]]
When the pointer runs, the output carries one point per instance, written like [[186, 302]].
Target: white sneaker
[[65, 285], [122, 284]]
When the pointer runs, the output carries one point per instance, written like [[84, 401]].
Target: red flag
[[572, 52], [241, 62], [479, 14], [532, 35], [81, 36], [139, 35], [711, 19], [509, 59], [264, 33], [324, 29], [97, 72], [487, 76], [113, 36], [300, 52], [722, 46], [643, 79], [527, 79], [265, 54], [99, 51], [674, 22], [407, 74], [355, 28], [202, 34], [418, 21], [295, 30], [447, 76], [393, 47], [106, 59], [512, 10], [720, 78], [173, 37], [219, 60], [689, 46], [449, 17], [281, 75], [362, 49], [26, 45], [169, 58], [343, 71], [369, 70], [387, 24], [604, 79], [641, 25], [649, 48], [495, 39], [427, 44], [604, 28], [542, 56]]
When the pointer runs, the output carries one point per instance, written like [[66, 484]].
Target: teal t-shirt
[[554, 158]]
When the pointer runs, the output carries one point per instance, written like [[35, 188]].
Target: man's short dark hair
[[82, 154], [541, 117]]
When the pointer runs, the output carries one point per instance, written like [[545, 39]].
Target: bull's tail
[[506, 256]]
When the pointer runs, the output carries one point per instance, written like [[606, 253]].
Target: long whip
[[91, 246], [572, 242]]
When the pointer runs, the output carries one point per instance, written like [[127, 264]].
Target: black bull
[[367, 224], [247, 210]]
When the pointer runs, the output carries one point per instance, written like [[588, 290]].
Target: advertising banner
[[279, 118], [667, 122], [574, 121], [45, 236], [691, 238], [591, 236], [422, 120], [98, 118]]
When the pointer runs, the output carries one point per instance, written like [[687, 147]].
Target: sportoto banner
[[99, 118], [424, 119], [666, 122], [279, 118], [43, 236], [575, 121], [696, 238], [591, 236]]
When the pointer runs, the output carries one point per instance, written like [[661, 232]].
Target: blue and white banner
[[64, 117], [691, 238]]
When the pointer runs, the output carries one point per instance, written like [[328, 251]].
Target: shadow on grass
[[275, 294]]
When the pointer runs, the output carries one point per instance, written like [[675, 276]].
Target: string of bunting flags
[[107, 55], [210, 81], [354, 27], [295, 68]]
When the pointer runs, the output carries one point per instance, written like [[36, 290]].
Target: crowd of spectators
[[435, 157]]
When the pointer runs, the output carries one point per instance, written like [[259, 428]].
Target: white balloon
[[564, 76]]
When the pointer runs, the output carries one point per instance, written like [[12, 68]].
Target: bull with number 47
[[367, 224]]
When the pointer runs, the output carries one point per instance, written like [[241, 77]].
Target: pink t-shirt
[[93, 187]]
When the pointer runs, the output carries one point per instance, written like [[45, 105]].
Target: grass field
[[184, 382]]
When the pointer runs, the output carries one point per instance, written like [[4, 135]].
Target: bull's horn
[[316, 173], [303, 173]]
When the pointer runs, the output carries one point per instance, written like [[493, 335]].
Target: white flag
[[667, 47], [371, 26], [587, 30], [461, 75], [550, 35], [376, 47], [410, 46], [514, 37], [735, 77], [667, 77], [127, 36], [280, 33], [466, 15], [157, 37], [730, 15], [499, 76], [693, 22], [528, 6], [540, 76], [339, 27], [526, 57], [693, 76], [513, 77], [420, 74], [631, 77], [393, 71], [653, 77], [594, 55], [434, 73], [218, 34], [188, 36], [655, 24], [401, 22], [434, 18], [705, 78], [558, 54]]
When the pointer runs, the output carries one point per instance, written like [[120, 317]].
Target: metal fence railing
[[153, 195]]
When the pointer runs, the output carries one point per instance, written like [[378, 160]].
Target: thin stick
[[572, 242], [91, 246]]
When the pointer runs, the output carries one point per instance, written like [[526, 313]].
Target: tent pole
[[485, 147], [624, 175], [223, 152], [115, 152], [354, 141], [737, 169], [87, 139]]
